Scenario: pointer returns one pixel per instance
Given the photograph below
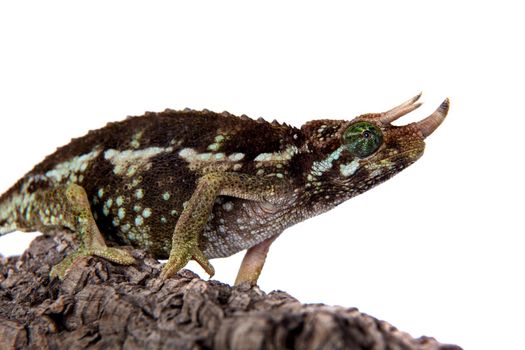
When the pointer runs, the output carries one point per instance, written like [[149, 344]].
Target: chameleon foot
[[180, 255], [115, 255]]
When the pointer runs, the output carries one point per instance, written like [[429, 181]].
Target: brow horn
[[399, 111], [431, 123]]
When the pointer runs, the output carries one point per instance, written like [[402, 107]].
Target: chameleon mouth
[[424, 127]]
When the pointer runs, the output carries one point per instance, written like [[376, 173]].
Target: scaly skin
[[199, 185]]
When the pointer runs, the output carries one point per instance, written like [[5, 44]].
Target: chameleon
[[196, 185]]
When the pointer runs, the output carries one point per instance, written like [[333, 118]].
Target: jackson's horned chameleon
[[199, 185]]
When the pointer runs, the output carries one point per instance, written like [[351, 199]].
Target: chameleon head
[[369, 149]]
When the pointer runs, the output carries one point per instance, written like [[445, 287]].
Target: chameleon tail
[[7, 223], [8, 212]]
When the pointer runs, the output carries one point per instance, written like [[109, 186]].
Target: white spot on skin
[[122, 160], [235, 157], [376, 172], [132, 170], [318, 168], [263, 157], [146, 213], [119, 201], [287, 154], [100, 192], [187, 153], [196, 159], [72, 166], [139, 193], [109, 203], [166, 196], [204, 156], [135, 182], [228, 206], [125, 228], [163, 220], [139, 220], [137, 208], [350, 168], [135, 140], [215, 146], [121, 213]]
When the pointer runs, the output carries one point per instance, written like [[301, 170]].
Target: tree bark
[[100, 305]]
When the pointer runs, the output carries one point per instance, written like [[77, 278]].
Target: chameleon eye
[[362, 139]]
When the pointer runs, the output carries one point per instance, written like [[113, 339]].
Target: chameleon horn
[[401, 110], [430, 123]]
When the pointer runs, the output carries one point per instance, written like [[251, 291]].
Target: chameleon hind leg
[[253, 262], [68, 206]]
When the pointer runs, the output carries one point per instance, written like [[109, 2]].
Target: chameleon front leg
[[186, 238], [68, 206], [253, 262]]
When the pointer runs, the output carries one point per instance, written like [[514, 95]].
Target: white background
[[438, 250]]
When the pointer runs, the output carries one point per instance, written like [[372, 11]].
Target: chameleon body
[[199, 185]]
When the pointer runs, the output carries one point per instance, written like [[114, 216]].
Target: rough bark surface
[[104, 306]]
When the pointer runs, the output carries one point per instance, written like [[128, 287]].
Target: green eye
[[362, 139]]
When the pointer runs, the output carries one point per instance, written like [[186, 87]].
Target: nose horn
[[431, 123]]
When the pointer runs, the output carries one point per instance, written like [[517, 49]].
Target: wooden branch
[[104, 306]]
